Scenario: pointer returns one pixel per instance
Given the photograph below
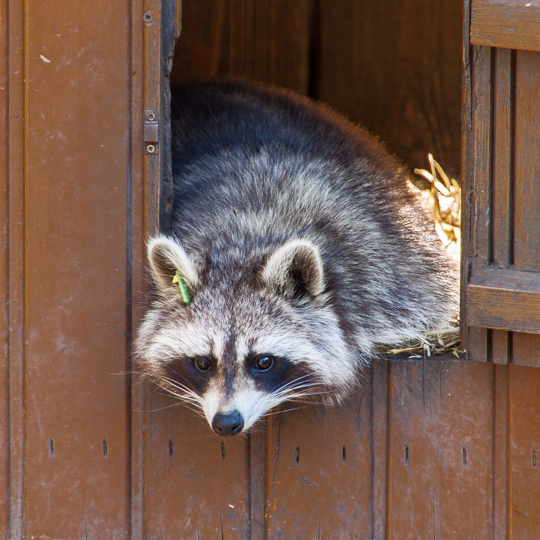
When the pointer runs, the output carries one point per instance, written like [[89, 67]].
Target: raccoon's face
[[236, 341]]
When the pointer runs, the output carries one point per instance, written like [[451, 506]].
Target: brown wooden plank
[[135, 264], [523, 444], [76, 149], [502, 189], [500, 460], [440, 450], [196, 482], [502, 203], [143, 217], [16, 231], [467, 168], [200, 48], [481, 134], [504, 299], [4, 275], [265, 40], [478, 344], [281, 31], [510, 24], [319, 476], [527, 176], [257, 482], [477, 191], [403, 87], [526, 349], [500, 347], [380, 446], [148, 96], [527, 162]]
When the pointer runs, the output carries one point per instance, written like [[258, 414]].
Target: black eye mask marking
[[186, 371], [279, 372]]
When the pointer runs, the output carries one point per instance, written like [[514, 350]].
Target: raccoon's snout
[[228, 424]]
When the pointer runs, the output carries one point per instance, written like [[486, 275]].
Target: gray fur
[[298, 238]]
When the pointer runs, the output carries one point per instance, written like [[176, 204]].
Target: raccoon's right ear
[[166, 257]]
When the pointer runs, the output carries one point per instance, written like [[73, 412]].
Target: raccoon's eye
[[202, 364], [263, 363]]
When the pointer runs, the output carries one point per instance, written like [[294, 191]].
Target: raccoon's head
[[235, 336]]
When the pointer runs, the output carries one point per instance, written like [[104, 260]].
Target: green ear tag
[[184, 291]]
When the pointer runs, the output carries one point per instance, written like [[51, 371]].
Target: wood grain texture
[[319, 470], [526, 349], [501, 347], [500, 454], [526, 246], [504, 299], [481, 135], [196, 483], [380, 390], [4, 275], [523, 444], [502, 159], [16, 262], [265, 40], [477, 191], [467, 183], [257, 482], [505, 203], [404, 87], [146, 186], [76, 447], [397, 87], [135, 267], [440, 450], [510, 24], [527, 162], [502, 231]]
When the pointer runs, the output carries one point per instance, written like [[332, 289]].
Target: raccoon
[[296, 248]]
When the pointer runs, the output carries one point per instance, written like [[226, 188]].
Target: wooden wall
[[434, 449], [392, 66], [78, 196], [501, 261], [423, 449]]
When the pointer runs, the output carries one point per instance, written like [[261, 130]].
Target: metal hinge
[[151, 132]]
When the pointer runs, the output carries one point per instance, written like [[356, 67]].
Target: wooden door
[[79, 193], [501, 253]]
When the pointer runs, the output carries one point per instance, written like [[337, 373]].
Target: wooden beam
[[504, 299], [509, 24]]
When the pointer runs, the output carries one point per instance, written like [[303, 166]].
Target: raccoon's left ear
[[166, 257], [295, 269]]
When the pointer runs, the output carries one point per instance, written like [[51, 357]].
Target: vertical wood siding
[[423, 449], [4, 279], [455, 457], [501, 262], [77, 200]]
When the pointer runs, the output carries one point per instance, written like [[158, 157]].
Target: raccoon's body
[[299, 248]]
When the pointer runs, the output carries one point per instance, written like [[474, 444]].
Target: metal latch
[[151, 132]]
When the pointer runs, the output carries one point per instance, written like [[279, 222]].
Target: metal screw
[[147, 17], [150, 148], [151, 116]]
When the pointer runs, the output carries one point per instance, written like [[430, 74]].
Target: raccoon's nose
[[228, 424]]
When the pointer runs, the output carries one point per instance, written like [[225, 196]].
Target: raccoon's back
[[254, 167], [244, 149]]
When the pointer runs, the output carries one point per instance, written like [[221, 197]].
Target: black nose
[[228, 424]]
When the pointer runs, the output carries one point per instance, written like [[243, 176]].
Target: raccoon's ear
[[295, 269], [166, 257]]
